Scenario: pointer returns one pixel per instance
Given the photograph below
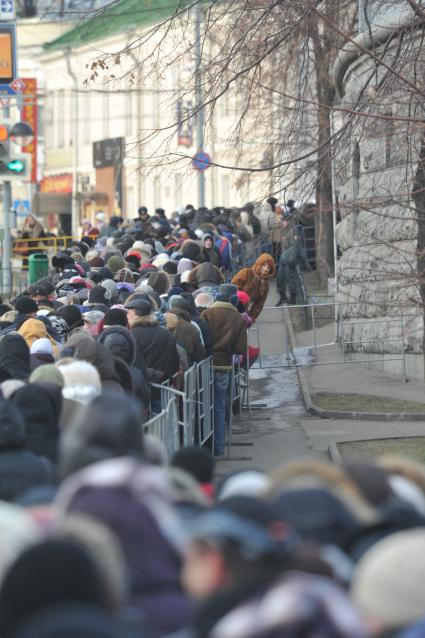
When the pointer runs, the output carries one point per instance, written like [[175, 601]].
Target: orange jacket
[[256, 287]]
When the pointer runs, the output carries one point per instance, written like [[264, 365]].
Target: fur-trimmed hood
[[265, 258], [206, 275], [120, 342], [316, 474], [148, 320]]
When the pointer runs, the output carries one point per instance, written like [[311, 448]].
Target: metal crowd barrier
[[165, 426], [185, 400], [205, 400], [187, 415]]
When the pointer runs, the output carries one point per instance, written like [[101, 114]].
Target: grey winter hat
[[226, 292], [111, 287]]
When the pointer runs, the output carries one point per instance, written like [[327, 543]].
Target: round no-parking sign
[[201, 161]]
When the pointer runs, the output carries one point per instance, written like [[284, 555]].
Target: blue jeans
[[221, 409]]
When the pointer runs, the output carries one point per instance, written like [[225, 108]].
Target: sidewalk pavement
[[350, 378], [284, 430]]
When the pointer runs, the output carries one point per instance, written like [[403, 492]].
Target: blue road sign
[[7, 10], [201, 161], [22, 207], [6, 90]]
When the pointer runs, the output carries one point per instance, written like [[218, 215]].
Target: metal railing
[[288, 351], [205, 400], [165, 426]]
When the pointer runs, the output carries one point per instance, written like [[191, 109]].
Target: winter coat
[[33, 329], [109, 427], [295, 604], [178, 321], [15, 356], [228, 332], [206, 275], [207, 337], [121, 343], [40, 359], [136, 504], [224, 247], [156, 347], [256, 287], [41, 408], [211, 256], [20, 469], [267, 218]]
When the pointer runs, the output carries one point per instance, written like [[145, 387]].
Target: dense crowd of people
[[104, 536]]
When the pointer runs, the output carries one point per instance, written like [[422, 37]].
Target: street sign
[[17, 85], [6, 90], [7, 53], [7, 10], [22, 207], [108, 152], [201, 161]]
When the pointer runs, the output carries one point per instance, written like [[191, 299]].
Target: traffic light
[[13, 165]]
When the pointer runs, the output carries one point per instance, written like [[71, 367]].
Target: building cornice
[[369, 40]]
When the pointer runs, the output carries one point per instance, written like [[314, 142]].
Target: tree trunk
[[418, 196], [324, 208]]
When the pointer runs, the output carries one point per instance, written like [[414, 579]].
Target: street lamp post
[[200, 115]]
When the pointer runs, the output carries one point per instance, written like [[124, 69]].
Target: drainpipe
[[75, 213], [140, 193]]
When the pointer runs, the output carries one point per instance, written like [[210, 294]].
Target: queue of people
[[104, 536], [137, 304]]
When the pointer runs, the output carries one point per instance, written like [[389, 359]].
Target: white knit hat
[[184, 265], [41, 346], [388, 581]]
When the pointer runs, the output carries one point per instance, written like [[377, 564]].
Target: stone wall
[[377, 234]]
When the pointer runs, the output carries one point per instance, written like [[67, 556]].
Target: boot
[[281, 301], [293, 299]]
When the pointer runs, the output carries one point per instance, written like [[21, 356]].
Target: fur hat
[[82, 380], [191, 250], [159, 282]]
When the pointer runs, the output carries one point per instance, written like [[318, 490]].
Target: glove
[[248, 319]]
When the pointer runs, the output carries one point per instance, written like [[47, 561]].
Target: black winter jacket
[[155, 346], [20, 469]]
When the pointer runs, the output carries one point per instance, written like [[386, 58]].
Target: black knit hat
[[115, 317], [25, 305], [71, 314], [98, 295], [35, 582]]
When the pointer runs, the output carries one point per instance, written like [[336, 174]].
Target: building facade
[[379, 270]]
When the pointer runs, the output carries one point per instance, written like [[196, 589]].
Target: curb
[[334, 453], [312, 408]]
